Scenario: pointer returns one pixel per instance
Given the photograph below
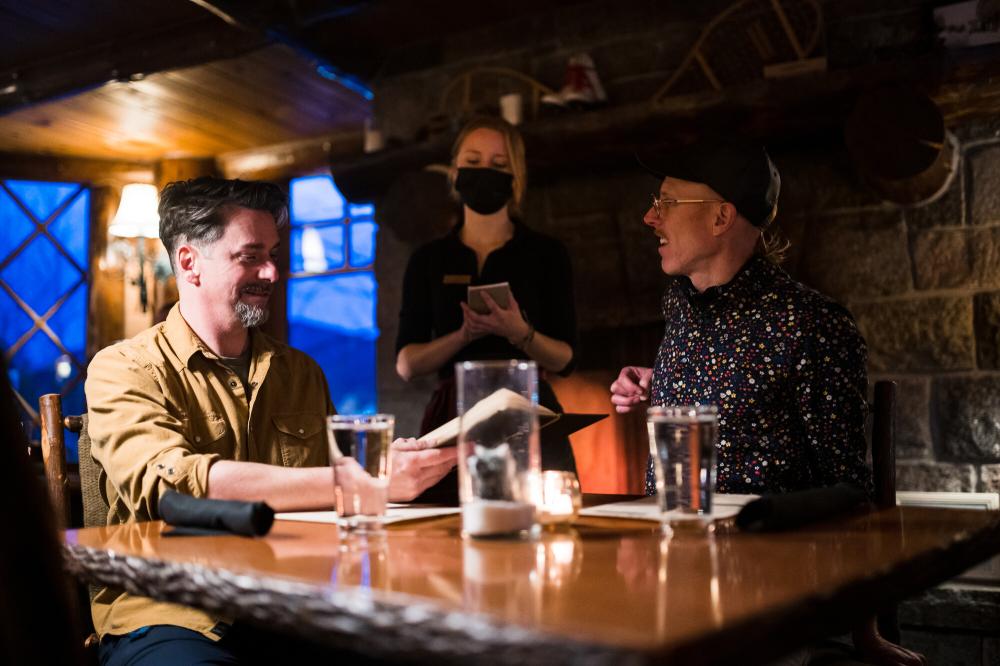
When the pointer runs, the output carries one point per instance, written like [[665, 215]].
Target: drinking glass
[[682, 441], [498, 449], [361, 461]]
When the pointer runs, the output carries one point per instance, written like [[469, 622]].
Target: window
[[332, 289], [44, 232]]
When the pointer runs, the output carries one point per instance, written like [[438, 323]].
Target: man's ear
[[725, 220], [189, 264]]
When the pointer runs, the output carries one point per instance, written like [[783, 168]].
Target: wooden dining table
[[604, 590]]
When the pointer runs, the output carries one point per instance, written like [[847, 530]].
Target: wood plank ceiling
[[269, 96], [257, 94], [147, 93]]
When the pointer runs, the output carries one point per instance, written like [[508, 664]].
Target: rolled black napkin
[[192, 516], [772, 513]]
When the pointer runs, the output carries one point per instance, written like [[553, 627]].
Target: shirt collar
[[520, 231], [186, 342], [754, 274]]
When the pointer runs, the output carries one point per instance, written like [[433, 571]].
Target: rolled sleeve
[[138, 437]]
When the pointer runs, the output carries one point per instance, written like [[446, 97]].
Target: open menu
[[496, 408]]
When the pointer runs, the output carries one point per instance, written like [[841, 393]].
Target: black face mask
[[484, 190]]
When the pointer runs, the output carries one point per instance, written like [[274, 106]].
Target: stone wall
[[923, 283]]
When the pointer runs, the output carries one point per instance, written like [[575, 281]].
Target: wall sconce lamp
[[137, 219]]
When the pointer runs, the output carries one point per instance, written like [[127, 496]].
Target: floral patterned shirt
[[786, 368]]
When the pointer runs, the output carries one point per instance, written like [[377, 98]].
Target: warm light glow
[[560, 497], [137, 216]]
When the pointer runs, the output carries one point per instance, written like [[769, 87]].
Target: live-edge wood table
[[604, 591]]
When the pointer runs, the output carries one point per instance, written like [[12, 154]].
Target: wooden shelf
[[606, 139]]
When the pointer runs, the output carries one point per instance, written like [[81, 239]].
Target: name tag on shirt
[[457, 279]]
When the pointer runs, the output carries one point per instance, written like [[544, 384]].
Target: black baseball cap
[[740, 171]]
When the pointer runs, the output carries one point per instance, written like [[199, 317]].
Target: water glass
[[498, 449], [361, 461], [682, 441]]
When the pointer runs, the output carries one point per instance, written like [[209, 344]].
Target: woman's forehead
[[486, 141]]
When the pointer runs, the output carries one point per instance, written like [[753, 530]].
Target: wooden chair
[[54, 454], [883, 450], [95, 507]]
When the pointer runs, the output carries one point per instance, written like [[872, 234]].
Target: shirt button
[[197, 438], [302, 431], [253, 383]]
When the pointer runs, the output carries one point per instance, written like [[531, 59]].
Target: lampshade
[[136, 216]]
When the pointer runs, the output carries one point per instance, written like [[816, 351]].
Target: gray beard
[[251, 315]]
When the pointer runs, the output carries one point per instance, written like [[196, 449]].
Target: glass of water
[[682, 441], [361, 461]]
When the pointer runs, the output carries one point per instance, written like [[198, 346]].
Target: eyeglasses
[[659, 203]]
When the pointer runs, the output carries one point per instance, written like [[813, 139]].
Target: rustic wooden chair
[[95, 507], [883, 450]]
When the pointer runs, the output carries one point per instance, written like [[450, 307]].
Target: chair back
[[883, 443], [54, 424], [54, 456], [95, 504]]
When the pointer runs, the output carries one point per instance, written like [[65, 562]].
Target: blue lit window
[[332, 290], [44, 230]]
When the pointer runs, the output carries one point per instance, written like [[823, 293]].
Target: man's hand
[[416, 466], [631, 388]]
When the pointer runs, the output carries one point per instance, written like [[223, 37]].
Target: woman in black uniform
[[490, 244]]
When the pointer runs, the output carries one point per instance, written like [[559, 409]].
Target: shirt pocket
[[210, 433], [302, 438]]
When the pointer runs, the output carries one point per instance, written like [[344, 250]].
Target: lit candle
[[560, 501]]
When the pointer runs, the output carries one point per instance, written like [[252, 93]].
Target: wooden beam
[[284, 29], [77, 169], [287, 160], [130, 58]]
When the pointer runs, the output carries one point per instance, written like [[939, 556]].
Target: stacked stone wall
[[923, 282]]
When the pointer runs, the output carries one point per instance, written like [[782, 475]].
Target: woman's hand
[[505, 322], [471, 328]]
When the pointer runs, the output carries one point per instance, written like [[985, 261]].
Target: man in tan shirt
[[207, 405]]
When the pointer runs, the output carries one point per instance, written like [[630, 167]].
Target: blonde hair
[[773, 245], [515, 153]]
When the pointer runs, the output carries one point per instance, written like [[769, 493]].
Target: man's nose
[[651, 218], [268, 271]]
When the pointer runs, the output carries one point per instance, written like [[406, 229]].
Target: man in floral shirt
[[784, 364]]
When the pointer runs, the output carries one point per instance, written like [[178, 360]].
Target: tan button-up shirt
[[163, 407]]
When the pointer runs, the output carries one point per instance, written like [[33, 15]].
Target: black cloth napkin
[[772, 513], [192, 516]]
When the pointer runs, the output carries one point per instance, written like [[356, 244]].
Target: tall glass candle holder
[[498, 448]]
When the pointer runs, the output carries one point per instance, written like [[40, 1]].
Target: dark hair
[[194, 210]]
